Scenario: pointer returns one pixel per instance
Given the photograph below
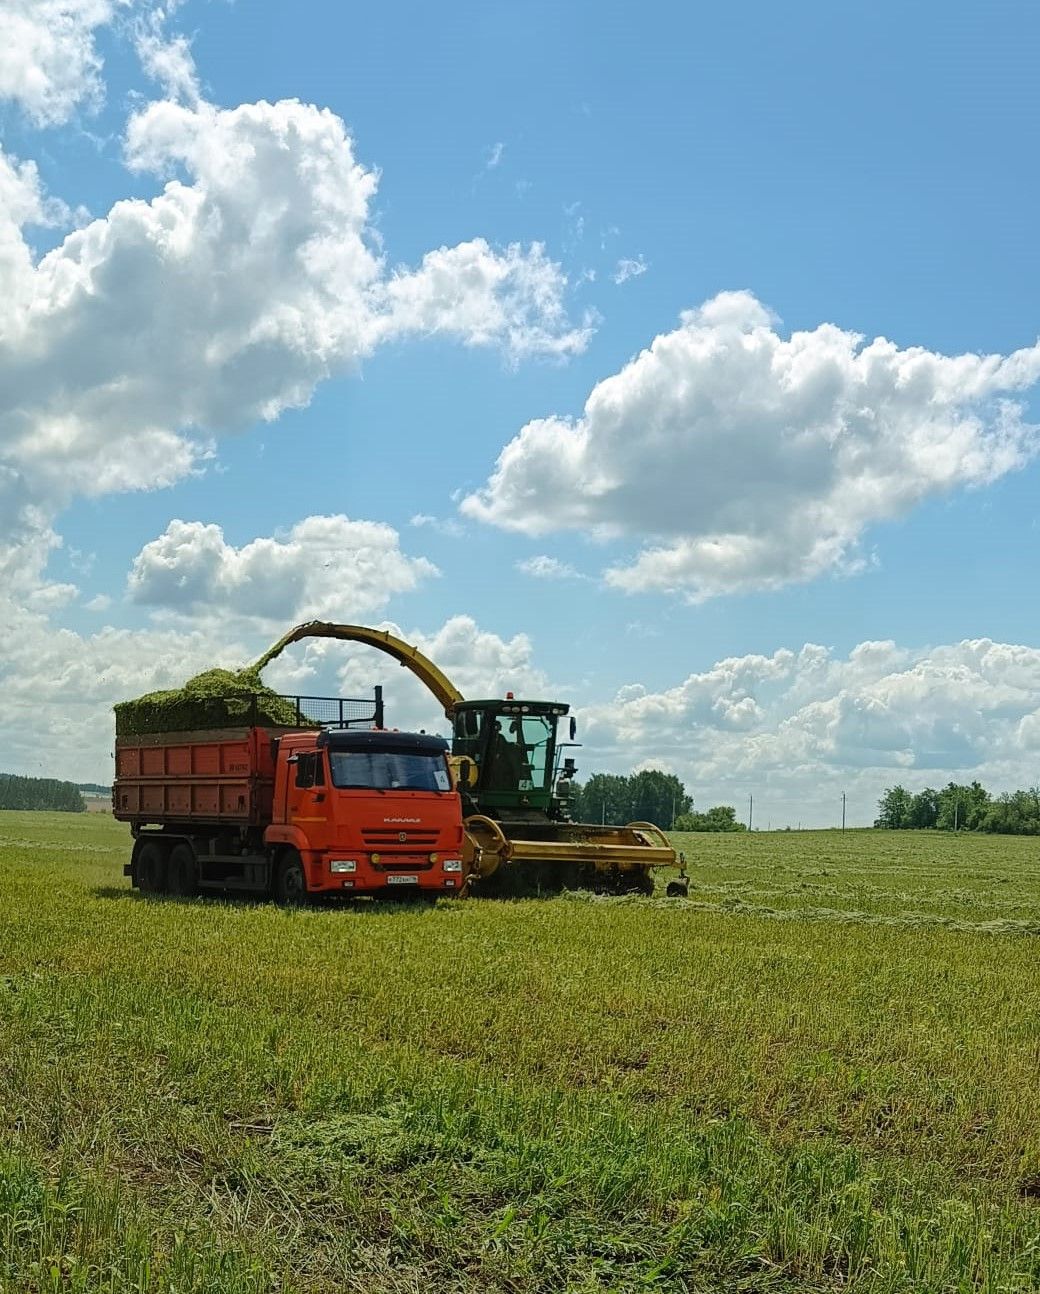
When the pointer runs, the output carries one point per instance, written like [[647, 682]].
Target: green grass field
[[820, 1072]]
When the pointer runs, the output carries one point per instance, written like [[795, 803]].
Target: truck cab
[[366, 812]]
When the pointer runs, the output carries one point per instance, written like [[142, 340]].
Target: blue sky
[[867, 169]]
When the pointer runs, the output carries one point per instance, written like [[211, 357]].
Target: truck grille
[[402, 863], [389, 837]]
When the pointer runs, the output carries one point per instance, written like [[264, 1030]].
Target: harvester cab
[[515, 749]]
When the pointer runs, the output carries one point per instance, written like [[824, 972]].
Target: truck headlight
[[343, 865], [452, 865]]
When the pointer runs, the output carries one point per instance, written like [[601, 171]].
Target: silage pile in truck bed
[[218, 698]]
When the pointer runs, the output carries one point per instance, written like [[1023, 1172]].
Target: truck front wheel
[[290, 882]]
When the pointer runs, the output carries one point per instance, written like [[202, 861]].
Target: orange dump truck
[[294, 814]]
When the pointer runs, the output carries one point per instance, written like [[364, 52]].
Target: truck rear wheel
[[181, 872], [290, 881], [151, 868]]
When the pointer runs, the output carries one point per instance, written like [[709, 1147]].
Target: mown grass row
[[523, 1096], [889, 873]]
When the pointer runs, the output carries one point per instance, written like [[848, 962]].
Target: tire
[[151, 868], [640, 882], [182, 872], [290, 881]]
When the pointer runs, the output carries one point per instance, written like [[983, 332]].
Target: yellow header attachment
[[447, 694]]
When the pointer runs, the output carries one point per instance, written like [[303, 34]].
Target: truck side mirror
[[574, 727], [466, 777]]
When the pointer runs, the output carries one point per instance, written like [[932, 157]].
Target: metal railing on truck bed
[[335, 711]]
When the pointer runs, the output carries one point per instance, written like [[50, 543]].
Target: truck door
[[310, 806]]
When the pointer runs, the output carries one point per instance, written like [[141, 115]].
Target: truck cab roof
[[415, 743]]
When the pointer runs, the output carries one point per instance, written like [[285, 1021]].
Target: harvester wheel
[[151, 868], [290, 882], [640, 882], [487, 844], [181, 874], [617, 882]]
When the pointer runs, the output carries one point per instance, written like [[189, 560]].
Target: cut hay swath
[[217, 698]]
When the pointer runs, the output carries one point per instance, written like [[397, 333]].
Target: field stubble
[[820, 1072]]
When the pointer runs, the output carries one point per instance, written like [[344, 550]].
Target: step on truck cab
[[336, 810]]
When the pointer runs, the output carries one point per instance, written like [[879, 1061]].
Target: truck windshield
[[388, 770]]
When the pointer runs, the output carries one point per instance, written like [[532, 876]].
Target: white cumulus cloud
[[49, 64], [253, 275], [796, 728], [629, 268], [742, 459], [166, 59], [323, 568], [543, 567]]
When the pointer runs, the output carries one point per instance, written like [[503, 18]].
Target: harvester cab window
[[518, 752], [536, 735], [504, 763], [469, 728]]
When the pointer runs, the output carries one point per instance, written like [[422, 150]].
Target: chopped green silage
[[216, 698]]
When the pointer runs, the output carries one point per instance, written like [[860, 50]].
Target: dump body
[[224, 777], [297, 812]]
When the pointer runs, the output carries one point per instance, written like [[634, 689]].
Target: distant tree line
[[723, 817], [961, 808], [647, 796], [39, 793]]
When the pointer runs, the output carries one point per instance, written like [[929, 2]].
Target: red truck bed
[[223, 775]]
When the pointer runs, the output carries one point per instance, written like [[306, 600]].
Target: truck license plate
[[402, 880]]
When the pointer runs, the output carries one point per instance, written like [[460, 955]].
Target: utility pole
[[750, 810], [843, 813], [956, 811]]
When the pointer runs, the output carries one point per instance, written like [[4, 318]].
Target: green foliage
[[924, 809], [603, 798], [1015, 813], [39, 793], [788, 1082], [962, 808], [647, 796], [894, 809], [214, 699], [656, 797], [956, 808], [723, 817]]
